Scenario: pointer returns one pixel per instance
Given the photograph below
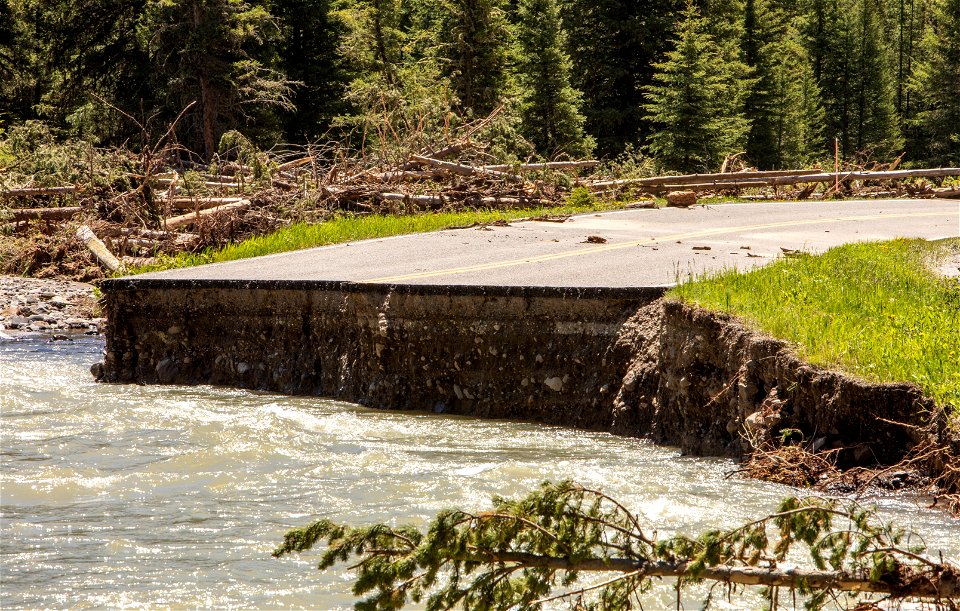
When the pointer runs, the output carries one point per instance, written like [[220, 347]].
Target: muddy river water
[[147, 496]]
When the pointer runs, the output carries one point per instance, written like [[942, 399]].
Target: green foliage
[[234, 145], [784, 102], [581, 196], [550, 109], [216, 53], [476, 47], [522, 550], [309, 54], [777, 79], [613, 45], [31, 154], [401, 98], [696, 101], [851, 60], [937, 81], [875, 310]]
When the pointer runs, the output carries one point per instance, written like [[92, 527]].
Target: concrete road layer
[[630, 248]]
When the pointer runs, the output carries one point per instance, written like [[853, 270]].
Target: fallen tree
[[519, 554], [64, 213], [777, 178]]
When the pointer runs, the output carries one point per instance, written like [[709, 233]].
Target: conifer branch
[[520, 553]]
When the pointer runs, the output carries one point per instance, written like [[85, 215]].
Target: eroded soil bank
[[621, 360]]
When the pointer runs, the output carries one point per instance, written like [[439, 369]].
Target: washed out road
[[631, 248]]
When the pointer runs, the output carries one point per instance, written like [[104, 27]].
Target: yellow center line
[[656, 240]]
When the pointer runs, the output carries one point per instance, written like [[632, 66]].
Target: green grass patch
[[349, 228], [878, 311]]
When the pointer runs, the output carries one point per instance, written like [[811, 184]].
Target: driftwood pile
[[184, 207]]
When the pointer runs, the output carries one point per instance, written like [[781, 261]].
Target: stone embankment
[[47, 306], [621, 360]]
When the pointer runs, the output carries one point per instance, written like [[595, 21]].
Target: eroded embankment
[[611, 359], [707, 383]]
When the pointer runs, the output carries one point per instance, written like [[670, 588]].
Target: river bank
[[48, 306], [606, 360], [680, 375]]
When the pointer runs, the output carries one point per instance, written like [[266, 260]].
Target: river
[[146, 496]]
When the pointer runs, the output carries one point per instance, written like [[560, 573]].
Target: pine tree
[[14, 58], [613, 45], [783, 103], [63, 51], [475, 47], [695, 102], [216, 53], [798, 113], [852, 62], [398, 91], [374, 40], [762, 29], [905, 22], [550, 108], [937, 81], [8, 39], [310, 55]]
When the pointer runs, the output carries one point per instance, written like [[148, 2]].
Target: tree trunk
[[208, 102]]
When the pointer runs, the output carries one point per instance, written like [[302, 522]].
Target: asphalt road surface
[[630, 248]]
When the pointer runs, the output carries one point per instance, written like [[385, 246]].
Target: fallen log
[[863, 176], [450, 150], [507, 542], [139, 261], [466, 170], [192, 217], [98, 248], [179, 239], [947, 193], [403, 175], [44, 214], [211, 184], [689, 179], [201, 203], [742, 180], [433, 201], [841, 581], [550, 165], [36, 191], [138, 244], [296, 163]]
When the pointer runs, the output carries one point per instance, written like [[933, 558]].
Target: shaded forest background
[[687, 84]]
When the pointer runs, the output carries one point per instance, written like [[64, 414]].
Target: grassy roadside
[[877, 311], [348, 228]]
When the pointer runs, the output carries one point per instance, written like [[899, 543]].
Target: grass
[[877, 311], [349, 228]]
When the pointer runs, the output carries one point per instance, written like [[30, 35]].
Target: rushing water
[[145, 496]]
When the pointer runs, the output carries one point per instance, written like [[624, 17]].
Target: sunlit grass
[[878, 311]]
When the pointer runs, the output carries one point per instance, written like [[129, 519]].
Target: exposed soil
[[712, 386]]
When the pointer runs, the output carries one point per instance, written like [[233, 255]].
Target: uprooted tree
[[534, 550]]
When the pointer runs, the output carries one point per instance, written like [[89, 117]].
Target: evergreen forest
[[687, 83]]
